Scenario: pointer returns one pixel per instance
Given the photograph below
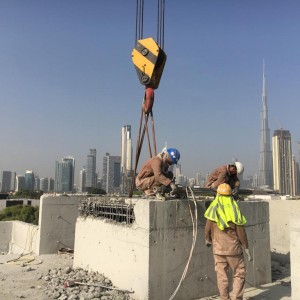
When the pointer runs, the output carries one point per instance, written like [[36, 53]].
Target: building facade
[[20, 183], [265, 157], [8, 181], [82, 178], [90, 171], [29, 180], [126, 159], [111, 173], [64, 175], [282, 162]]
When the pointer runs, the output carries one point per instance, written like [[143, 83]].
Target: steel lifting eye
[[145, 78], [145, 51]]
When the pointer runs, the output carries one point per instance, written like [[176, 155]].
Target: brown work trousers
[[237, 264]]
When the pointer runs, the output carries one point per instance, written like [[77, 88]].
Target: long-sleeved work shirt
[[221, 175], [229, 241]]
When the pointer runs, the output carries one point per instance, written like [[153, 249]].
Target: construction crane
[[149, 60]]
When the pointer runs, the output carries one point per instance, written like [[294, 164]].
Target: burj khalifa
[[265, 158]]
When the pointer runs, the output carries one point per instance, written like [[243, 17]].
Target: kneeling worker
[[154, 177], [226, 174], [224, 229]]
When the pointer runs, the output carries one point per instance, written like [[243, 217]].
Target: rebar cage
[[107, 208]]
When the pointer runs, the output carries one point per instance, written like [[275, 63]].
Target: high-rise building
[[64, 175], [282, 162], [296, 177], [8, 181], [126, 159], [82, 179], [265, 157], [36, 183], [29, 180], [111, 173], [44, 184], [20, 183], [90, 171], [47, 185]]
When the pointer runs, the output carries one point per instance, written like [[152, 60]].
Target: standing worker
[[224, 229], [154, 177], [226, 174]]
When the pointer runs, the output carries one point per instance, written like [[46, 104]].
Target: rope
[[194, 222]]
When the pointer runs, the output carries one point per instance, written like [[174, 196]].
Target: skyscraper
[[20, 183], [8, 180], [282, 162], [265, 157], [64, 175], [126, 159], [82, 178], [29, 180], [90, 179], [111, 179]]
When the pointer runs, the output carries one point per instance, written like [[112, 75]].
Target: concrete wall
[[280, 211], [295, 258], [57, 221], [23, 238], [5, 235], [18, 237], [33, 202], [149, 256]]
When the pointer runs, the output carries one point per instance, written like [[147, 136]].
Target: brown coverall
[[228, 247], [154, 173], [221, 175]]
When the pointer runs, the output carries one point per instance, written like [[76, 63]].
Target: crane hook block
[[149, 61]]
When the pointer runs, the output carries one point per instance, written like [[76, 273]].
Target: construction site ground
[[19, 280]]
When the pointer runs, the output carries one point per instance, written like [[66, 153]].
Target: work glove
[[207, 243], [247, 251], [235, 191], [173, 187]]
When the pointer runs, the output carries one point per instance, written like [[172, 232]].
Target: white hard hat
[[239, 167]]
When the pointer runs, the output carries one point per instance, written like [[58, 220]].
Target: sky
[[68, 84]]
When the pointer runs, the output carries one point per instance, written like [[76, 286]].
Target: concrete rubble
[[55, 288]]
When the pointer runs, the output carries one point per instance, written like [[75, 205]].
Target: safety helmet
[[174, 155], [239, 167], [224, 189]]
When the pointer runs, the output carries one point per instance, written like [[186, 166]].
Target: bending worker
[[225, 231], [226, 174], [155, 177]]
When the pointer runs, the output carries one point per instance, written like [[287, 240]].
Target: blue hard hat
[[174, 155]]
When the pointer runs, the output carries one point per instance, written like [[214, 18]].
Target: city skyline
[[68, 83]]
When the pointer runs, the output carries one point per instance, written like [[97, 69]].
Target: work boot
[[159, 196]]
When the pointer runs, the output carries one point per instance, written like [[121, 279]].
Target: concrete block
[[150, 255], [57, 221]]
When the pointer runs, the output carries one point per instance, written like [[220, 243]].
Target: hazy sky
[[67, 82]]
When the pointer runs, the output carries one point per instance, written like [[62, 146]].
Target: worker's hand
[[207, 243], [247, 251], [235, 191], [173, 187]]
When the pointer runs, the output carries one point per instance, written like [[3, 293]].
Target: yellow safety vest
[[224, 209]]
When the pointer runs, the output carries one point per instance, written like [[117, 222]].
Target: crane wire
[[161, 23], [195, 226], [139, 20]]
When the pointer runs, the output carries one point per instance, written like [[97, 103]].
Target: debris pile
[[78, 284]]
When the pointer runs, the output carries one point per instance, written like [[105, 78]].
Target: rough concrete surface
[[44, 278]]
